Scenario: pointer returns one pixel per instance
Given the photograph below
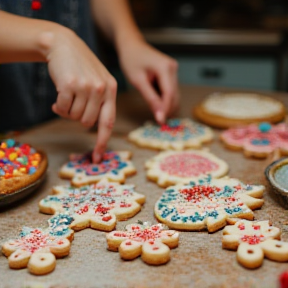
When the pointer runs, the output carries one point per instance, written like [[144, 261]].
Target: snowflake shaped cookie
[[207, 203], [152, 242], [115, 166], [257, 140], [96, 205], [173, 167], [176, 134], [254, 241], [38, 248]]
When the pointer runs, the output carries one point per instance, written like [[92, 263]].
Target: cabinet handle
[[211, 73]]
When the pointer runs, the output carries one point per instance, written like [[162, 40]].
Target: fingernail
[[160, 117], [96, 157]]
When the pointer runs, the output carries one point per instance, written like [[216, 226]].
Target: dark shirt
[[26, 90]]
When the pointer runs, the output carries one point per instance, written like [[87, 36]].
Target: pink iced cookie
[[152, 242]]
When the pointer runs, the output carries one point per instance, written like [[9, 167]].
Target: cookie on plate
[[38, 248], [172, 167], [97, 205], [115, 166], [207, 203], [152, 242], [20, 165], [254, 241], [224, 110], [176, 134], [257, 140]]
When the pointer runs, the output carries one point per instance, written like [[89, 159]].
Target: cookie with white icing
[[114, 166], [172, 167], [254, 241], [207, 203], [257, 140], [224, 110], [98, 206], [176, 134], [38, 248], [152, 242]]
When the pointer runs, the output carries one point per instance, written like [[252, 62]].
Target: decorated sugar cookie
[[224, 110], [172, 167], [38, 248], [115, 166], [207, 203], [176, 134], [257, 140], [152, 242], [20, 165], [254, 241], [96, 205]]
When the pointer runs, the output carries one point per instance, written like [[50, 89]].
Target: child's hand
[[86, 90]]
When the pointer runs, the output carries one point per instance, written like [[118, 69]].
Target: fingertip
[[160, 117], [96, 157]]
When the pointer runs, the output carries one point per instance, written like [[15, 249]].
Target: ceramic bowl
[[277, 175]]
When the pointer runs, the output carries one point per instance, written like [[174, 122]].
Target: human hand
[[143, 66], [86, 90]]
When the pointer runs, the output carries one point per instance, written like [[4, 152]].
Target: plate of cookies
[[22, 170]]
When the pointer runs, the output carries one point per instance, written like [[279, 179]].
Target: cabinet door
[[241, 72]]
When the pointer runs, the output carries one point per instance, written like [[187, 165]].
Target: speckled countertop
[[199, 261]]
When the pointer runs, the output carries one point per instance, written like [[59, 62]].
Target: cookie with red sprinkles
[[20, 165]]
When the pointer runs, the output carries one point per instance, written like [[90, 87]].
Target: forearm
[[115, 19], [23, 39]]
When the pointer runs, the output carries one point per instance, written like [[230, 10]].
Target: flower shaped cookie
[[96, 206], [207, 203], [176, 134], [173, 167], [38, 248], [115, 166], [257, 140], [152, 242], [254, 241]]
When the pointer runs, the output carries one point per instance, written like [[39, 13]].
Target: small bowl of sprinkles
[[277, 175]]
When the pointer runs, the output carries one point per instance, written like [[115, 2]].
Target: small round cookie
[[98, 206], [176, 134], [254, 241], [172, 167], [207, 203], [257, 140], [225, 110], [152, 242], [115, 166], [38, 248], [20, 165]]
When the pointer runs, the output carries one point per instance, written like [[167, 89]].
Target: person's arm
[[86, 90], [141, 63]]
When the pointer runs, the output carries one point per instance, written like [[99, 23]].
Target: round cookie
[[176, 134], [225, 110], [97, 206], [152, 242], [115, 166], [254, 241], [172, 167], [20, 165], [207, 203], [257, 140]]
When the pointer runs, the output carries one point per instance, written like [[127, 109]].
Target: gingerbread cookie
[[224, 110], [254, 241], [114, 166], [152, 242], [257, 140], [207, 203], [172, 167], [96, 206], [38, 248], [20, 165], [176, 134]]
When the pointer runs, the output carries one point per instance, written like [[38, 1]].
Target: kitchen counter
[[199, 261]]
